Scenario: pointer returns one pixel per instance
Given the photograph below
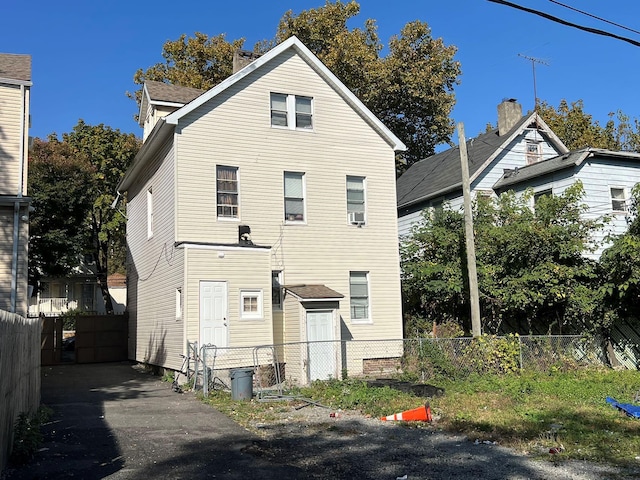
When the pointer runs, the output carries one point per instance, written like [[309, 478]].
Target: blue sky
[[85, 53]]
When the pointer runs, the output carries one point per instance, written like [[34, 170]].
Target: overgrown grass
[[531, 412]]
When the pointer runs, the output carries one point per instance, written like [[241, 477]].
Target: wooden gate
[[98, 338]]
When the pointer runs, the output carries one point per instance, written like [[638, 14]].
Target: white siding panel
[[242, 269], [234, 129], [11, 111], [156, 268]]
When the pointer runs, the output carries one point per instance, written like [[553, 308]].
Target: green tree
[[578, 129], [57, 184], [78, 176], [532, 274], [110, 153], [410, 89]]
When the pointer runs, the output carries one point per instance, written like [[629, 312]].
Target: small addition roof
[[313, 292], [15, 67]]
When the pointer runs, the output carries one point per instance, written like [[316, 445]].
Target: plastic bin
[[241, 383]]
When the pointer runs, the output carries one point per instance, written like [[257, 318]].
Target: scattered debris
[[420, 414], [629, 409]]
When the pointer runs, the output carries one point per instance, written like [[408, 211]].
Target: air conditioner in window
[[356, 218]]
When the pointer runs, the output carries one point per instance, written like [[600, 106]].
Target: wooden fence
[[19, 374]]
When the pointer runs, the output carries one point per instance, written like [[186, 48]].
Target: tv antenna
[[533, 66]]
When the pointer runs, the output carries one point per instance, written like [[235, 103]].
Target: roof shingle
[[15, 67]]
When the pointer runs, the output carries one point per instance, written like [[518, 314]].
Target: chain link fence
[[278, 368]]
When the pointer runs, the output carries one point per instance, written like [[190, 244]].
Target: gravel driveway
[[351, 446]]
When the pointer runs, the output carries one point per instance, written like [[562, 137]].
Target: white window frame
[[276, 276], [291, 113], [532, 157], [287, 220], [149, 212], [352, 212], [250, 315], [368, 317], [613, 199], [237, 194], [178, 303]]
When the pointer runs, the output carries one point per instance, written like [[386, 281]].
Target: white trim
[[625, 199], [13, 81], [149, 212], [304, 199], [306, 54], [226, 248]]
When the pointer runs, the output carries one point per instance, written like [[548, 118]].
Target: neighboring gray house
[[607, 178], [518, 141]]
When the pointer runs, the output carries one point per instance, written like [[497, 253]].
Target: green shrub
[[27, 436]]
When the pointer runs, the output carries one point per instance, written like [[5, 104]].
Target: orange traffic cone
[[420, 414]]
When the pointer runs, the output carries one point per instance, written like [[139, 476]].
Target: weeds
[[27, 436]]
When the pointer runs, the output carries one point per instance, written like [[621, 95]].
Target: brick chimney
[[509, 113], [242, 58]]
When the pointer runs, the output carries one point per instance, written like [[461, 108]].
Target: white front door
[[214, 326], [322, 348]]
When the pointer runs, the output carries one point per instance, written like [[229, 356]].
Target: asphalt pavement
[[115, 421]]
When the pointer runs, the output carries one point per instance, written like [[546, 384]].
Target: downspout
[[16, 208]]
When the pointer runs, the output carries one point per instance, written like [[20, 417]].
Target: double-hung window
[[276, 290], [294, 197], [291, 111], [533, 152], [359, 296], [618, 199], [227, 191], [356, 200]]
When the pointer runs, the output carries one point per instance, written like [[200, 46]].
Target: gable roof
[[15, 67], [165, 125], [160, 93], [295, 44], [572, 159], [441, 173]]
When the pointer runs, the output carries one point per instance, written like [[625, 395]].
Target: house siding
[[155, 268], [325, 248], [13, 111], [241, 269], [597, 177]]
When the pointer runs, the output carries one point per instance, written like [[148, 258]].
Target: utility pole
[[469, 237], [533, 66]]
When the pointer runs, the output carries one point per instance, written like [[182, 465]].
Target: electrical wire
[[595, 16], [567, 23]]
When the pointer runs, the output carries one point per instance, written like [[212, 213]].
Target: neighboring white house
[[262, 212], [15, 88], [606, 176], [518, 141]]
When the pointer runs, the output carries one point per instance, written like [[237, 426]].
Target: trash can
[[241, 383]]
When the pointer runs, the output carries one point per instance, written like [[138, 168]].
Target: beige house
[[15, 85], [262, 212]]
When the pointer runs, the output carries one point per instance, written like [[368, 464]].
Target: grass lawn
[[531, 412]]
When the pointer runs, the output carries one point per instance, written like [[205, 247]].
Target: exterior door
[[322, 348], [214, 328]]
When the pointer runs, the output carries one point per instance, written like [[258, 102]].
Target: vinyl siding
[[234, 129], [12, 113], [242, 269], [6, 257], [155, 268], [597, 177]]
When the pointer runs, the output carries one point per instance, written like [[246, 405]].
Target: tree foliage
[[78, 176], [57, 184], [410, 89], [532, 274], [578, 129]]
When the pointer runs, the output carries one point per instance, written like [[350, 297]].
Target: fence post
[[520, 349], [205, 372]]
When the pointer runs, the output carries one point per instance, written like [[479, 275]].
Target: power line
[[565, 22], [595, 16]]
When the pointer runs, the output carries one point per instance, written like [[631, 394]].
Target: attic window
[[291, 111], [533, 152]]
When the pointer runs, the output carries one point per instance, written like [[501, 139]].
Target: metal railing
[[280, 367]]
